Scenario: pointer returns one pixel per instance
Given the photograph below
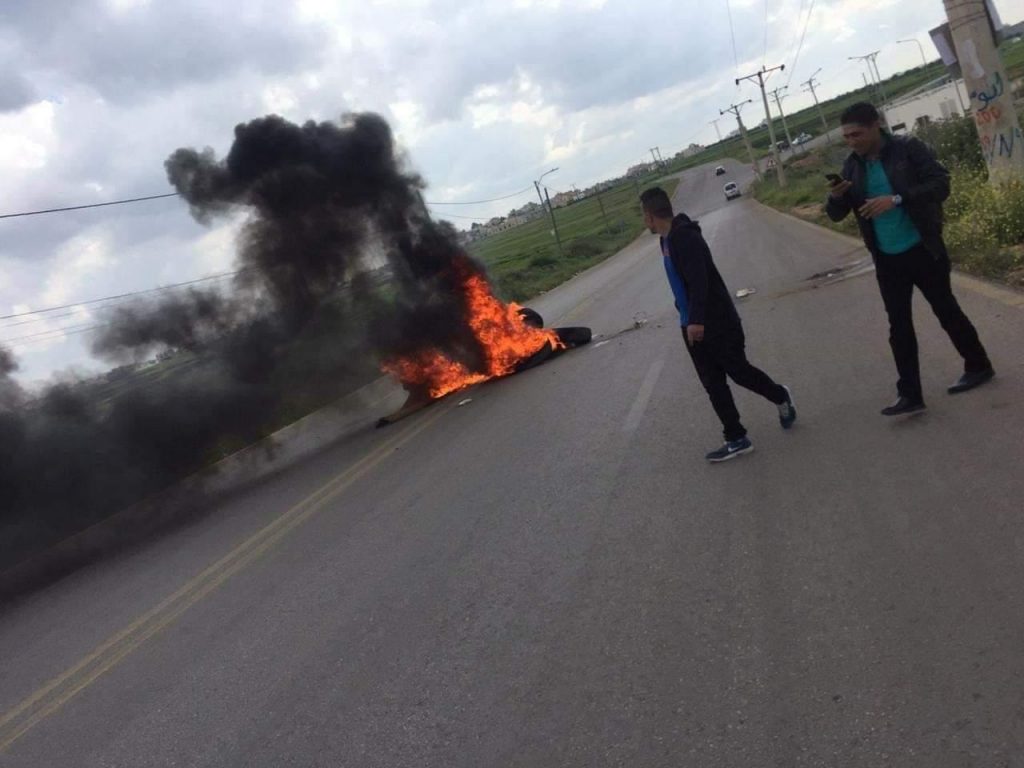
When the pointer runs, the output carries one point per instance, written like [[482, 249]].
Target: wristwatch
[[897, 200]]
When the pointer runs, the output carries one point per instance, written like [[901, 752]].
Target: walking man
[[710, 324], [895, 188]]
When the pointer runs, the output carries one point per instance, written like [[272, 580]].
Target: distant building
[[690, 151], [938, 100], [641, 169], [565, 198]]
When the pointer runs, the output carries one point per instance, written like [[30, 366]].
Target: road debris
[[742, 293]]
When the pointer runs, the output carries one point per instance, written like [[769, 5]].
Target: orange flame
[[505, 339]]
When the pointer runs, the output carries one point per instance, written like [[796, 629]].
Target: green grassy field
[[525, 261], [984, 223]]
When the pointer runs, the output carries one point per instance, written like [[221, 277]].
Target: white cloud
[[484, 97], [27, 138], [78, 260]]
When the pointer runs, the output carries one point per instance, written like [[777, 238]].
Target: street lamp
[[924, 60], [537, 185], [551, 211]]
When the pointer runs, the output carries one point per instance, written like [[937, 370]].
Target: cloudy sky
[[484, 96]]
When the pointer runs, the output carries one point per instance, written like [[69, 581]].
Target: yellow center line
[[56, 693]]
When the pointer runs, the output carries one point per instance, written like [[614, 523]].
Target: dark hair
[[861, 113], [655, 201]]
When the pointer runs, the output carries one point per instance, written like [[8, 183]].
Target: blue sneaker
[[731, 450], [787, 411]]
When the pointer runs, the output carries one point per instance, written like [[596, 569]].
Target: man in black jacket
[[895, 187], [710, 324]]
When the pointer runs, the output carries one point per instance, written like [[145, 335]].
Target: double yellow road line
[[56, 693]]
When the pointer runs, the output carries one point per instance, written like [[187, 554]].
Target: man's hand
[[840, 189], [694, 333], [876, 206]]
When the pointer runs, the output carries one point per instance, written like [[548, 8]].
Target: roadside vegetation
[[984, 223], [525, 261]]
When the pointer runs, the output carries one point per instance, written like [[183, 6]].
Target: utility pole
[[656, 155], [869, 59], [715, 123], [778, 103], [735, 109], [554, 224], [1002, 142], [878, 74], [810, 87], [604, 215], [536, 185], [780, 172]]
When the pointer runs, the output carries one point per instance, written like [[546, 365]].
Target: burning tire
[[569, 338], [574, 336]]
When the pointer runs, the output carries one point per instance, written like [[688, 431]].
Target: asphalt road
[[551, 575]]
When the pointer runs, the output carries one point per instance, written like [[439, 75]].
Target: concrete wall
[[936, 104]]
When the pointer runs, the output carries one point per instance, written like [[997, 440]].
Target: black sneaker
[[971, 380], [787, 411], [731, 450], [904, 406]]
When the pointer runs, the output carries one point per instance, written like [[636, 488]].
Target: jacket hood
[[682, 221]]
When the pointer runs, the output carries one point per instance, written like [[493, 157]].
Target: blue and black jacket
[[708, 301]]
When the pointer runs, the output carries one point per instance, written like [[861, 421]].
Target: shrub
[[543, 261], [955, 141], [584, 248]]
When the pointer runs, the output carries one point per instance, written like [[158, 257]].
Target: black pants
[[717, 357], [897, 275]]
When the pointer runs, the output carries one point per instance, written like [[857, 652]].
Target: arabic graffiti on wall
[[998, 139], [991, 93], [1003, 144]]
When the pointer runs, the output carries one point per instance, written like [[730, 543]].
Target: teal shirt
[[895, 231]]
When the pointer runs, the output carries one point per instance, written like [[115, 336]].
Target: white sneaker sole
[[732, 455]]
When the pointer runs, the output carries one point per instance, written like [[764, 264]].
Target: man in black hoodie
[[710, 324]]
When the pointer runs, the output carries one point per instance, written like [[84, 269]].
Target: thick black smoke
[[310, 314]]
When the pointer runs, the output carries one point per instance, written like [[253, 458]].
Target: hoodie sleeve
[[690, 256], [932, 178]]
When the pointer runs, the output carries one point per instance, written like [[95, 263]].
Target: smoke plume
[[308, 315]]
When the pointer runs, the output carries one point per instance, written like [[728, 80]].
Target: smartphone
[[834, 178]]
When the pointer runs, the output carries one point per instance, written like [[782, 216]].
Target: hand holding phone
[[838, 185]]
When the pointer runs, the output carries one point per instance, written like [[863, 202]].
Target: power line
[[799, 48], [764, 51], [178, 194], [456, 216], [69, 330], [91, 205], [162, 288], [732, 35], [492, 200]]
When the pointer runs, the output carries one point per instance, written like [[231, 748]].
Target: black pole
[[554, 224], [537, 187], [604, 215]]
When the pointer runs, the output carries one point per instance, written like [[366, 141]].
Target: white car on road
[[731, 190]]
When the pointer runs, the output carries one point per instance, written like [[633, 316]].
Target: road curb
[[1004, 294]]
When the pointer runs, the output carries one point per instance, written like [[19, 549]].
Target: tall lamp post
[[924, 59], [551, 211]]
